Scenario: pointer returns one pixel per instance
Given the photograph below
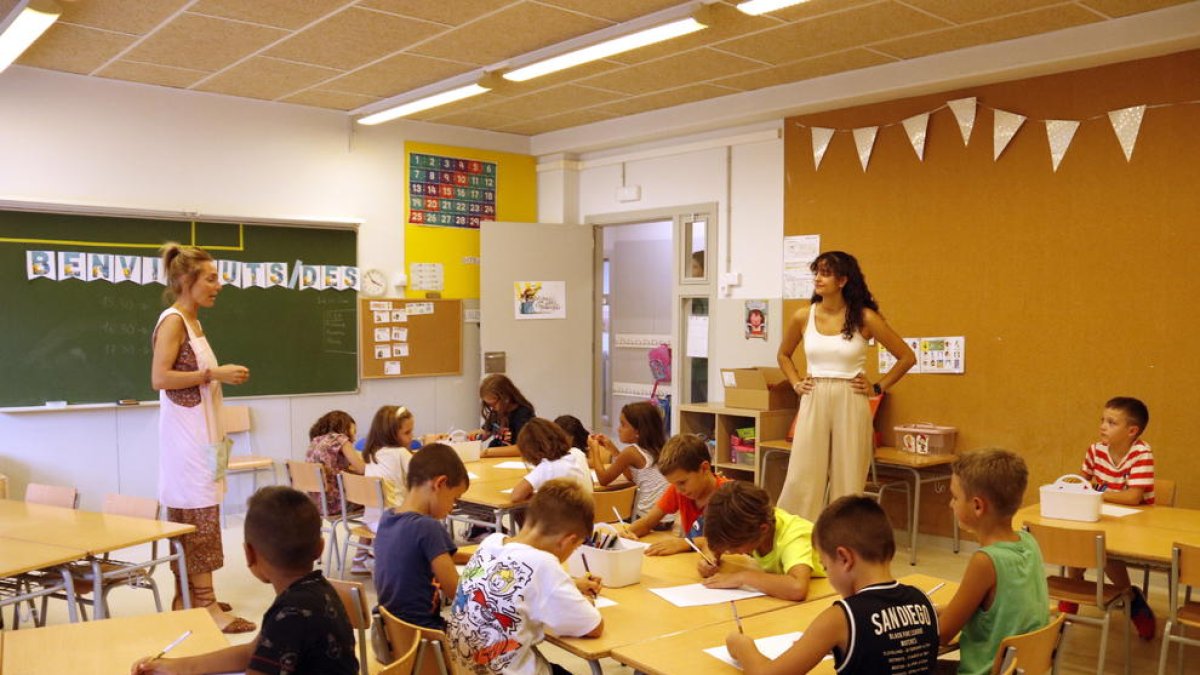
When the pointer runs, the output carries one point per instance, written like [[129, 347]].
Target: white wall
[[76, 140]]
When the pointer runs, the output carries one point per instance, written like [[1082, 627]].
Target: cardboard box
[[759, 388]]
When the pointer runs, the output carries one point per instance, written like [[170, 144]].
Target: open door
[[550, 359]]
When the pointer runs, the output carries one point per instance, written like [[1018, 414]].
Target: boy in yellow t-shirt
[[740, 519]]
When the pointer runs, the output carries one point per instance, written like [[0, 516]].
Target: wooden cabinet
[[715, 421]]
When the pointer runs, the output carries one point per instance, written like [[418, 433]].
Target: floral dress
[[327, 451]]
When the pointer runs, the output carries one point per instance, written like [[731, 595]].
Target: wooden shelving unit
[[716, 421]]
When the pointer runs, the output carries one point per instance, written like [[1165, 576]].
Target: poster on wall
[[798, 253], [450, 191], [540, 300], [756, 320]]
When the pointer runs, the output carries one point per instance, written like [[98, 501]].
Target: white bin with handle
[[1071, 497]]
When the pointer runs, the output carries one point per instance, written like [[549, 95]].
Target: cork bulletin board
[[410, 338], [1071, 286]]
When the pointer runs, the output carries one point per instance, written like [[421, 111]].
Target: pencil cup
[[619, 565]]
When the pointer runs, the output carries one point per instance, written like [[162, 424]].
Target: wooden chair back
[[235, 418], [1069, 547], [1031, 652], [306, 476], [622, 500], [52, 495], [354, 600], [132, 507], [1164, 492], [406, 662], [362, 490], [1189, 564], [433, 651]]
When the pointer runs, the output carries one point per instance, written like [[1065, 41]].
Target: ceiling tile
[[337, 100], [396, 75], [510, 32], [352, 38], [550, 101], [279, 13], [665, 99], [1126, 7], [805, 69], [614, 10], [729, 24], [136, 17], [833, 32], [556, 122], [149, 73], [694, 66], [203, 43], [74, 49], [448, 12], [996, 30], [477, 120], [958, 11], [265, 78]]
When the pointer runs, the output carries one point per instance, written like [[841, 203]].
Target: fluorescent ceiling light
[[756, 7], [605, 49], [426, 103], [24, 26]]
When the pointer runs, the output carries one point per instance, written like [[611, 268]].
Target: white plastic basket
[[1071, 497], [616, 567]]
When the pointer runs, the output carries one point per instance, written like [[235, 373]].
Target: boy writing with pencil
[[879, 626], [740, 519], [306, 630], [514, 589], [1003, 592]]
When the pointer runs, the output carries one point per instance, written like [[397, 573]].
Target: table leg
[[914, 525], [177, 544], [97, 591], [72, 601], [595, 665]]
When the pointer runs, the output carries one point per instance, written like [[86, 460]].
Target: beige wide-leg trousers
[[831, 449]]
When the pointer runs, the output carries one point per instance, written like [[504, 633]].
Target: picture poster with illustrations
[[935, 355], [755, 319], [450, 191], [540, 300]]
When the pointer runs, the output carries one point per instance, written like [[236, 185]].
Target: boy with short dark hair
[[514, 589], [880, 625], [414, 553], [306, 630], [1121, 466], [1003, 591], [740, 519], [686, 463]]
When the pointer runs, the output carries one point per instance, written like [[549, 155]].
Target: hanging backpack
[[660, 367]]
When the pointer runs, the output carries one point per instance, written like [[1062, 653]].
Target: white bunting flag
[[254, 275], [820, 143], [71, 265], [331, 277], [99, 268], [310, 278], [41, 265], [915, 127], [152, 272], [128, 268], [1126, 122], [864, 139], [1060, 133], [350, 278], [964, 112], [230, 272], [277, 274], [1003, 129]]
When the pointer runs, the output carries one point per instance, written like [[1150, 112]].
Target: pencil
[[618, 515], [171, 646], [586, 568], [935, 589], [736, 618], [696, 548]]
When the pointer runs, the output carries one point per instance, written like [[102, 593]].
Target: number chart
[[450, 192]]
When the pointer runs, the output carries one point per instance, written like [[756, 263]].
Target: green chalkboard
[[89, 342]]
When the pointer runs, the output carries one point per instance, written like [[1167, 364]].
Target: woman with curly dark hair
[[832, 444]]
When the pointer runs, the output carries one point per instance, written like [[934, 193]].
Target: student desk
[[94, 533], [640, 615], [1144, 538], [683, 652], [18, 557], [108, 646]]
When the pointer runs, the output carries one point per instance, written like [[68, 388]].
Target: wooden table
[[683, 652], [1145, 538], [108, 646], [94, 533], [18, 557], [641, 615]]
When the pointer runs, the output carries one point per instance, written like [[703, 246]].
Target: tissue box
[[616, 567], [757, 389], [924, 438], [468, 451], [1070, 499]]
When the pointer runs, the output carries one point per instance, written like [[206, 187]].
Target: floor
[[251, 598]]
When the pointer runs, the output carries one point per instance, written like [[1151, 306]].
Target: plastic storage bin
[[616, 567], [1070, 497], [924, 438]]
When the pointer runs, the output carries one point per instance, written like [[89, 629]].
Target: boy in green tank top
[[1003, 591]]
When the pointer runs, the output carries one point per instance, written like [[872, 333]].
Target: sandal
[[177, 604], [238, 625]]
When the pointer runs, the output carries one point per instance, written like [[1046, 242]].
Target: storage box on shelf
[[715, 421]]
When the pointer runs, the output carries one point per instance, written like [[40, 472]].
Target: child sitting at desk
[[505, 411], [514, 589], [686, 465], [414, 552], [740, 519], [306, 630], [330, 444], [1003, 590], [641, 429], [547, 449], [880, 625], [1121, 466]]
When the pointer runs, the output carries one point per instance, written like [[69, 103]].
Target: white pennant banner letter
[[1127, 122], [915, 127], [1004, 128], [1060, 133], [820, 143], [964, 112], [864, 138]]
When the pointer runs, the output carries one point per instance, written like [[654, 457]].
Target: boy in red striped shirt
[[1121, 466]]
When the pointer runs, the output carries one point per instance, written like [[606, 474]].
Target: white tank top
[[833, 355]]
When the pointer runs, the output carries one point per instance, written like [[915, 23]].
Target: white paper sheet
[[512, 465], [693, 595], [697, 337], [472, 475], [506, 492], [1117, 511], [771, 647], [602, 602]]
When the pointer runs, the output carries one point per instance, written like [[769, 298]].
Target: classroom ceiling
[[344, 54]]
